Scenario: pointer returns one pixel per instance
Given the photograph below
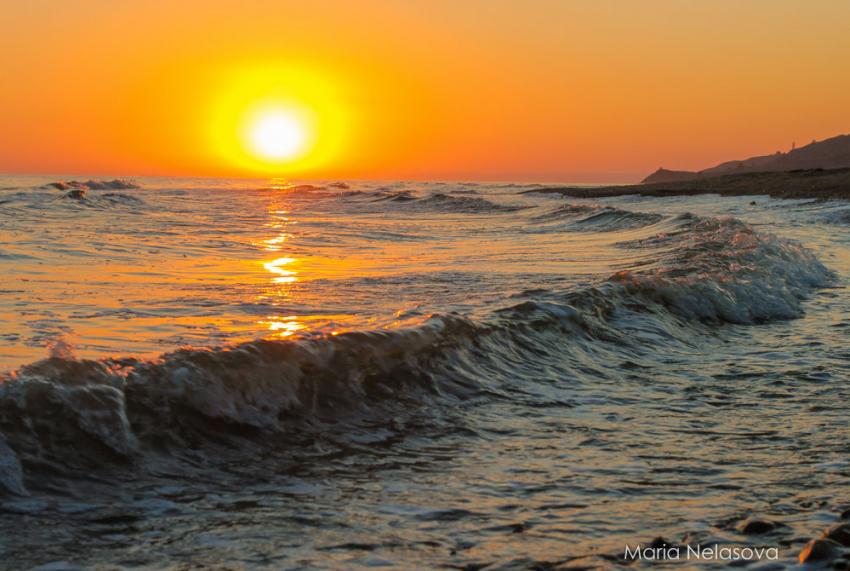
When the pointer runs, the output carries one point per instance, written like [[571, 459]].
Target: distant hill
[[832, 153], [663, 175]]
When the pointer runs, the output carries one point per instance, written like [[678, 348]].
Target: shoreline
[[831, 184]]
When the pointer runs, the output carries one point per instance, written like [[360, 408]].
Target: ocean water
[[234, 374]]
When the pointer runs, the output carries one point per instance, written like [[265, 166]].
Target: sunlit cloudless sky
[[418, 89]]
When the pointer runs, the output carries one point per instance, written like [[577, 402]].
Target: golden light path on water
[[280, 326]]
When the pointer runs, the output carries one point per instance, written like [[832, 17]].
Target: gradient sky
[[420, 89]]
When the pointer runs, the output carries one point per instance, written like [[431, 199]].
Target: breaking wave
[[66, 416], [723, 270], [115, 184]]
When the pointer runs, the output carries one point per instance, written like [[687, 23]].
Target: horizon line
[[437, 177]]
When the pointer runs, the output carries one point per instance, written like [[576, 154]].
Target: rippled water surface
[[345, 375]]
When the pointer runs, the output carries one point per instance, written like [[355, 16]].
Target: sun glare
[[277, 132], [276, 136], [276, 119]]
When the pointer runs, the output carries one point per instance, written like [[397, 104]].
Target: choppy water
[[270, 375]]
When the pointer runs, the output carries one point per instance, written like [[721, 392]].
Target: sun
[[276, 119], [276, 136], [276, 131]]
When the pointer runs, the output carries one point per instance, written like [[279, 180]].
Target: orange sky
[[419, 89]]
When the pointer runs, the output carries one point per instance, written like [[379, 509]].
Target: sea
[[277, 374]]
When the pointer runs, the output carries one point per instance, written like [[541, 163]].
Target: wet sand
[[833, 184]]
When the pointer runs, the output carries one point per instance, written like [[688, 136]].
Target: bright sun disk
[[277, 136]]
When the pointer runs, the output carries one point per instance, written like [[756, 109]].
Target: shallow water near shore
[[237, 374]]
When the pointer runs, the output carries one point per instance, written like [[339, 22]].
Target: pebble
[[756, 526], [819, 550], [839, 533]]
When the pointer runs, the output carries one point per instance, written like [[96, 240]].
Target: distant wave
[[105, 200], [67, 415], [466, 204], [569, 211], [439, 202], [120, 198], [305, 188], [837, 217], [115, 184], [596, 218], [400, 196]]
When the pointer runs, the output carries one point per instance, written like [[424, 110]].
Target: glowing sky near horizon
[[420, 89]]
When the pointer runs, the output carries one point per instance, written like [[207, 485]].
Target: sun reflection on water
[[283, 276], [273, 244], [282, 326]]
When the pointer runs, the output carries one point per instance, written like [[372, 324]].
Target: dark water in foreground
[[415, 376]]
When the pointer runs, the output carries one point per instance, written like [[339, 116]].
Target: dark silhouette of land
[[825, 184], [832, 153]]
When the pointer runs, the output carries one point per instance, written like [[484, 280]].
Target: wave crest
[[63, 411], [722, 270], [464, 204], [115, 184]]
